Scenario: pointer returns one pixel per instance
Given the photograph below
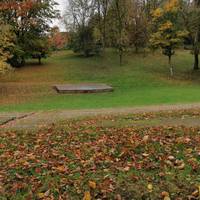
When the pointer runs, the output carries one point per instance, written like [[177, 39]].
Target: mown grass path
[[34, 120]]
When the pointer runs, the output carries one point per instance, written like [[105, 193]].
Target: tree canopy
[[29, 21], [6, 46], [134, 24]]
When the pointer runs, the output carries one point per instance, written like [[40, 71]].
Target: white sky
[[62, 7]]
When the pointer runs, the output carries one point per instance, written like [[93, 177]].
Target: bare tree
[[120, 9], [137, 27], [79, 12], [103, 8]]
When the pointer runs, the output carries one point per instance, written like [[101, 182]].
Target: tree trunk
[[23, 61], [171, 67], [104, 33], [196, 50], [196, 61], [39, 60], [136, 49], [121, 57]]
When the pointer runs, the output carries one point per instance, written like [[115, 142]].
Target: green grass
[[140, 81]]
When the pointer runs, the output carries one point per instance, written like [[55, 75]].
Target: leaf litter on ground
[[80, 159]]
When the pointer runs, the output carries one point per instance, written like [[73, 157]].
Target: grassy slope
[[140, 81]]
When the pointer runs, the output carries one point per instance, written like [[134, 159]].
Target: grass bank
[[140, 81]]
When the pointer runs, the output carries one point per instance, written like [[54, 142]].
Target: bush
[[4, 67]]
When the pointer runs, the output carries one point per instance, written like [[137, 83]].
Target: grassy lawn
[[103, 158], [140, 81]]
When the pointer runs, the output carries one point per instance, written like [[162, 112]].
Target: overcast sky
[[62, 7]]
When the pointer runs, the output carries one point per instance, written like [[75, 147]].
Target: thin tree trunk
[[104, 32], [196, 50], [196, 61], [23, 61], [121, 57], [39, 60], [105, 12], [136, 49], [171, 67]]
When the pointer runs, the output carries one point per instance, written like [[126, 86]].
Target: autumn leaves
[[85, 160]]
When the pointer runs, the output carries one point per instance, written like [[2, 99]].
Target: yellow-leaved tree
[[167, 32], [6, 45]]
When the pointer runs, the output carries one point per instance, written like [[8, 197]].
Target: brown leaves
[[126, 162]]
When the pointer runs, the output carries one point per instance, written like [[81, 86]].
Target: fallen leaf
[[181, 167], [40, 195], [87, 196], [61, 168], [118, 197], [195, 193], [145, 138], [126, 169], [171, 158], [47, 193], [145, 154], [165, 194], [92, 184], [150, 187], [19, 176]]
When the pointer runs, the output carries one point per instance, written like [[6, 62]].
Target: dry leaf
[[47, 193], [150, 187], [118, 197], [146, 138], [195, 193], [92, 184], [126, 169], [181, 167], [87, 196], [19, 176], [40, 195], [171, 158], [165, 194], [61, 168]]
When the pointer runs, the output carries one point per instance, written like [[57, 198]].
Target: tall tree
[[190, 14], [196, 29], [30, 20], [102, 9], [6, 44], [137, 25], [81, 19], [120, 17], [167, 34]]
